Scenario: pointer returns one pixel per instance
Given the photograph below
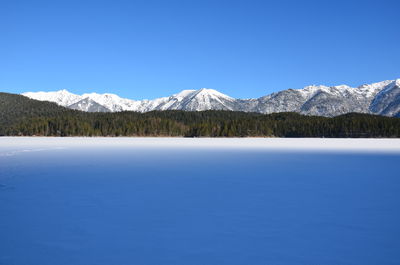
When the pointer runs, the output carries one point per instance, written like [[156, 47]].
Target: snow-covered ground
[[14, 145], [197, 201]]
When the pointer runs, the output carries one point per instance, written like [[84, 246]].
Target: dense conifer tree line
[[23, 116]]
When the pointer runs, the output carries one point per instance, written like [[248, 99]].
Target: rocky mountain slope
[[381, 98]]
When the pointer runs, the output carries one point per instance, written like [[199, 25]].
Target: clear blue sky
[[148, 49]]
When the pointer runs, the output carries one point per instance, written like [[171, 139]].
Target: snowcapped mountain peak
[[111, 101], [94, 94], [89, 105], [207, 90], [205, 99], [63, 91], [379, 98], [211, 93], [342, 87], [61, 97], [378, 84], [201, 99], [366, 90], [183, 93], [309, 91], [370, 90], [60, 92]]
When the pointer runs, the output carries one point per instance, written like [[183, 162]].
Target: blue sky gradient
[[149, 48]]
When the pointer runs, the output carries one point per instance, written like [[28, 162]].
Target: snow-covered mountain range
[[381, 98]]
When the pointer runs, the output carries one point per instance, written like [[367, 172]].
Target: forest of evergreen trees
[[26, 117]]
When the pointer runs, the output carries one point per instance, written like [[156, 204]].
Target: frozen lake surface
[[89, 201]]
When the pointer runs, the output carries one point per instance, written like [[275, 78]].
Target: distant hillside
[[16, 108], [20, 115]]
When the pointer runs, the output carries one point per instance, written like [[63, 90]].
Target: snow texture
[[16, 145]]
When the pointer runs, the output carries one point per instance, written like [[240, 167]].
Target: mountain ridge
[[22, 116], [382, 98]]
